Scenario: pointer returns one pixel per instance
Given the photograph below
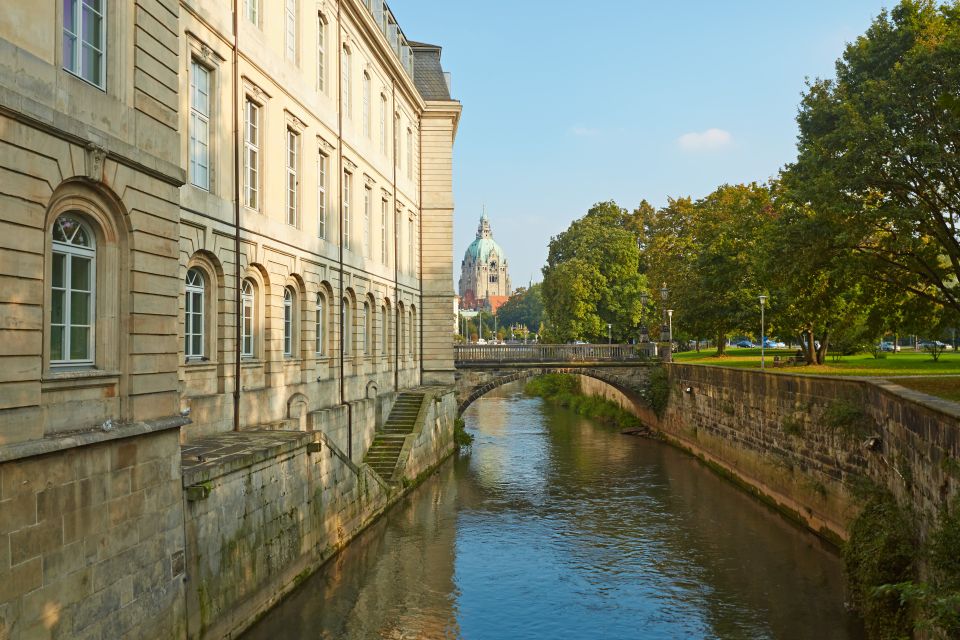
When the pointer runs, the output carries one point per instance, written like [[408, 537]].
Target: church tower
[[484, 273]]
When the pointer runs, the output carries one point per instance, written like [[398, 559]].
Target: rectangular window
[[367, 212], [411, 238], [251, 9], [319, 328], [383, 231], [287, 324], [396, 139], [246, 298], [346, 100], [347, 187], [293, 152], [322, 196], [71, 315], [290, 29], [410, 154], [366, 105], [321, 55], [383, 125], [85, 40], [251, 155], [199, 125]]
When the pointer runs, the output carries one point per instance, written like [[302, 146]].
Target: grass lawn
[[893, 365]]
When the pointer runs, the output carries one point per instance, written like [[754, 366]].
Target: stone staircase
[[384, 452]]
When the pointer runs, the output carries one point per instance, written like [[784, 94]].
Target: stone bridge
[[480, 368]]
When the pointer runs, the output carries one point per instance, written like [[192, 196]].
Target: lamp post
[[670, 334], [665, 351], [609, 333], [763, 339]]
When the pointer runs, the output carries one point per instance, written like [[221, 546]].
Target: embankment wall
[[803, 442]]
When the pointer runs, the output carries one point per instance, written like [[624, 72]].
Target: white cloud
[[709, 140]]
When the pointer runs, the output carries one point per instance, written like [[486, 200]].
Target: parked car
[[746, 344], [889, 346]]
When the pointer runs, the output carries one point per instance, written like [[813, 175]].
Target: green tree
[[879, 151], [524, 307], [591, 278]]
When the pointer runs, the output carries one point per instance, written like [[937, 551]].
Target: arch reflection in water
[[556, 527]]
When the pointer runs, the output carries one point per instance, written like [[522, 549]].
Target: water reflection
[[554, 527]]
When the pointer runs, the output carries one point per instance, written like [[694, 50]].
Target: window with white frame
[[320, 326], [85, 40], [411, 241], [396, 140], [383, 230], [73, 285], [194, 329], [322, 163], [288, 322], [247, 300], [347, 188], [251, 154], [366, 104], [367, 335], [383, 124], [346, 100], [383, 330], [251, 10], [321, 54], [290, 29], [293, 182], [410, 154], [199, 125], [346, 327], [367, 213]]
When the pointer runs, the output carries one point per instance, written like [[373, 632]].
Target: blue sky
[[571, 103]]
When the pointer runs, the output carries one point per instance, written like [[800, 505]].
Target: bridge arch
[[499, 378]]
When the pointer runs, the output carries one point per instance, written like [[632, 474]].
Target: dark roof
[[428, 72]]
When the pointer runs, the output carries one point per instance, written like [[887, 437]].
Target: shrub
[[461, 437], [880, 553], [657, 391]]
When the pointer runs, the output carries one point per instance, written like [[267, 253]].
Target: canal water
[[556, 527]]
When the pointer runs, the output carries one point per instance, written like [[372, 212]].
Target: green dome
[[481, 249]]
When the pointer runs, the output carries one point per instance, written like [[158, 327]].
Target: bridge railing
[[533, 353]]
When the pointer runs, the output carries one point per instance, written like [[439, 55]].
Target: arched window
[[320, 327], [383, 330], [73, 286], [288, 322], [247, 300], [367, 334], [193, 332], [346, 326]]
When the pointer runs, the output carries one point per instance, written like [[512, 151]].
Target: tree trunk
[[721, 345], [809, 351], [824, 345], [698, 344]]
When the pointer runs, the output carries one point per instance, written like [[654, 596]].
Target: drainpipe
[[343, 329], [238, 310], [420, 242], [396, 244]]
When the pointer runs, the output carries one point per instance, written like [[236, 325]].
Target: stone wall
[[91, 541], [800, 442], [266, 508]]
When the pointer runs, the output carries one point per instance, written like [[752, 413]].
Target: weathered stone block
[[18, 512], [33, 541]]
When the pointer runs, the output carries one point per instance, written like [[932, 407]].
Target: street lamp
[[665, 352], [670, 335], [609, 333], [763, 339], [644, 335]]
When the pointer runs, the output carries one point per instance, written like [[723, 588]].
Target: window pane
[[80, 274], [56, 307], [79, 308], [56, 343], [79, 343], [69, 15], [197, 345], [69, 52], [197, 319], [59, 269], [90, 64]]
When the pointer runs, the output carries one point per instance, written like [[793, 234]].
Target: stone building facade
[[211, 220], [484, 272], [335, 261]]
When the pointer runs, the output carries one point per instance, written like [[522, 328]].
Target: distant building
[[484, 273]]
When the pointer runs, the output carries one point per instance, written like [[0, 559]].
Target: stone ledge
[[74, 439], [218, 455]]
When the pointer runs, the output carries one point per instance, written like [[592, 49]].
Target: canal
[[556, 527]]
